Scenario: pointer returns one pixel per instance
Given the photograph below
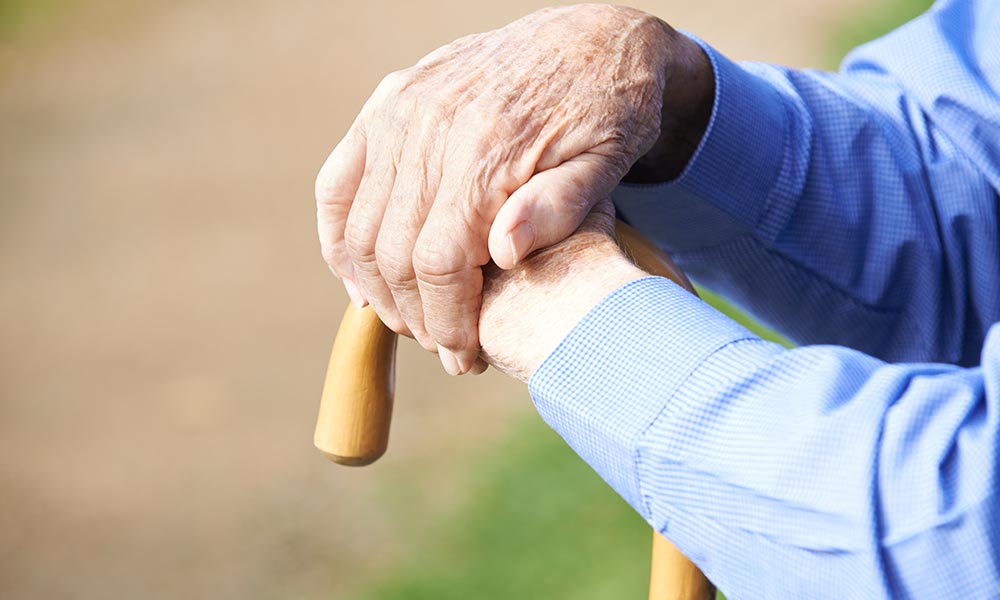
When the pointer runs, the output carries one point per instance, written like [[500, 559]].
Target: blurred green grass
[[538, 523], [25, 24], [17, 15], [878, 19]]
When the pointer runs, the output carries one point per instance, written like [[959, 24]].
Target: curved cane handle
[[356, 408]]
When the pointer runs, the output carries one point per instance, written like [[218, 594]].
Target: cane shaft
[[672, 576]]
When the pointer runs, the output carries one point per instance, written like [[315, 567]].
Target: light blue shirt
[[857, 212]]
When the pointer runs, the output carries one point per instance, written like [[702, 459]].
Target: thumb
[[549, 207]]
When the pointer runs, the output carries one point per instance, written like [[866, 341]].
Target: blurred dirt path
[[165, 313]]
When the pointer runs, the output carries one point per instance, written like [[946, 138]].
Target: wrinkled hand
[[529, 309], [493, 146]]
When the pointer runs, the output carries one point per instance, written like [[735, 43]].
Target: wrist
[[527, 311], [688, 98]]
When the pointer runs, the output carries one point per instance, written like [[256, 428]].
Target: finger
[[549, 207], [361, 235], [448, 256], [336, 185], [412, 195], [479, 367], [450, 284]]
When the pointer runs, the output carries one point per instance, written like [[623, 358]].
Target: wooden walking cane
[[356, 408]]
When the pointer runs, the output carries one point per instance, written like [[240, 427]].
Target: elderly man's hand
[[494, 146]]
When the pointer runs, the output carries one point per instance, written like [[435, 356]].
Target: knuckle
[[388, 91], [383, 105], [433, 113], [484, 151], [333, 197], [335, 191], [327, 190], [394, 264], [476, 130], [394, 81], [433, 262], [360, 243]]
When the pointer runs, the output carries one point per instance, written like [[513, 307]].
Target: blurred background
[[166, 317]]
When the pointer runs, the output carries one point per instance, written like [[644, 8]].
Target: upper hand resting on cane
[[494, 146]]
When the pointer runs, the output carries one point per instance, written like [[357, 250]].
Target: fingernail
[[354, 293], [520, 239], [449, 361]]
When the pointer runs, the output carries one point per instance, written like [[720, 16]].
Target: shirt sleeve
[[868, 196], [818, 472]]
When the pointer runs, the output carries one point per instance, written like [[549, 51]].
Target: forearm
[[750, 457]]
